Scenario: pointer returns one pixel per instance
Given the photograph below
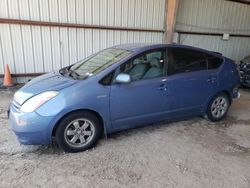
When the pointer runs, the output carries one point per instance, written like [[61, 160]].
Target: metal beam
[[247, 2], [24, 74], [210, 33], [72, 25], [170, 17]]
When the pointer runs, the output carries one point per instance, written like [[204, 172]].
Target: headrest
[[155, 62]]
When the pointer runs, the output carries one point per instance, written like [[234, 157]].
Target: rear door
[[190, 82]]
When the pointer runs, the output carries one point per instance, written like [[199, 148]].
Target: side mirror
[[123, 78]]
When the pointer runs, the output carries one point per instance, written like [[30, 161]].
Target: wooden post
[[170, 17]]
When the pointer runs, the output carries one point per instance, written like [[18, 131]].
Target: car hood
[[47, 82]]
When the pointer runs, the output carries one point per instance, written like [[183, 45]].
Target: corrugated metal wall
[[216, 16], [31, 49]]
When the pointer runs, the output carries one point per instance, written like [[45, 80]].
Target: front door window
[[148, 65]]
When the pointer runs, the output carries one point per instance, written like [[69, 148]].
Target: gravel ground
[[191, 153]]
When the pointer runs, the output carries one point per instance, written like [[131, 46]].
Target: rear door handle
[[211, 80]]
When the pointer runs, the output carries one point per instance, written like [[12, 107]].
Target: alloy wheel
[[219, 107], [79, 132]]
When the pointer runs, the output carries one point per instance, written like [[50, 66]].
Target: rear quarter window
[[213, 61]]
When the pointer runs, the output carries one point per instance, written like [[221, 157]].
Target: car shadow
[[187, 123]]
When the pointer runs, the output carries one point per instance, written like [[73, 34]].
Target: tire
[[78, 131], [218, 107]]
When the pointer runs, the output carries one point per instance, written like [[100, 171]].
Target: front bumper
[[245, 83], [30, 128], [245, 79]]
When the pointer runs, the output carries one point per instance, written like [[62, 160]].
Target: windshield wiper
[[67, 71], [73, 74], [63, 71]]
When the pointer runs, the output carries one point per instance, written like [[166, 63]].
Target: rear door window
[[185, 60]]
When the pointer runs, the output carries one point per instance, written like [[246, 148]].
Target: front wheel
[[78, 132], [218, 107]]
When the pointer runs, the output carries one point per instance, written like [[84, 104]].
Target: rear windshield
[[98, 62]]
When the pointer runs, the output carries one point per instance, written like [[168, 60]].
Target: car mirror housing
[[123, 78]]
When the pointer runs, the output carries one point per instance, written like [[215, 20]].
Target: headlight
[[35, 102]]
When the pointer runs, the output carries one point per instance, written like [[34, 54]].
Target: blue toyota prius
[[122, 87]]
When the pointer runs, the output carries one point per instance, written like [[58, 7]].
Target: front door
[[143, 100]]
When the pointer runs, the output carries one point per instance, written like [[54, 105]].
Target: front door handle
[[163, 87]]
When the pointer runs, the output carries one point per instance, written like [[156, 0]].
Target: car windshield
[[97, 62]]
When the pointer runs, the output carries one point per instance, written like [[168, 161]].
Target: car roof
[[139, 47], [135, 47]]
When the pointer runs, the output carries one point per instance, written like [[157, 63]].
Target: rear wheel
[[218, 107], [78, 131]]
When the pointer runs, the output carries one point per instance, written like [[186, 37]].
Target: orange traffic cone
[[7, 77]]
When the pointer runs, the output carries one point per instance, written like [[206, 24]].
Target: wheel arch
[[222, 91], [104, 132], [228, 95]]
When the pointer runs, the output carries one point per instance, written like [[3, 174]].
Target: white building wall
[[35, 49], [215, 16]]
